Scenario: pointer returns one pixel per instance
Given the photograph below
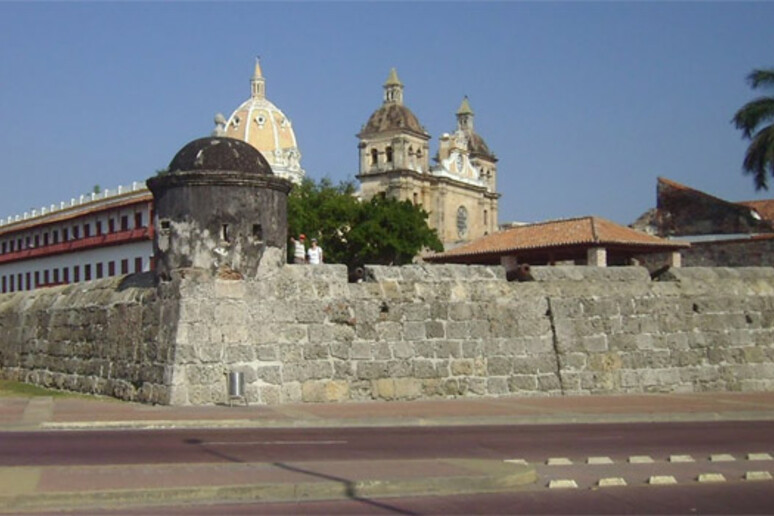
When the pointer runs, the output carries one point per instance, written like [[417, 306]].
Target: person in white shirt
[[299, 252], [315, 253]]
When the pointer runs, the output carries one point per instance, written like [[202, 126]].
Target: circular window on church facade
[[462, 221]]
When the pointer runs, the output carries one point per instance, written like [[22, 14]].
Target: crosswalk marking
[[681, 458], [757, 475], [640, 459], [722, 457], [611, 482], [600, 460], [662, 480], [562, 484], [711, 477]]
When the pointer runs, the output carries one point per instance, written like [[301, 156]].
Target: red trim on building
[[104, 240]]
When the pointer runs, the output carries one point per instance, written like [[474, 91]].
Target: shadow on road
[[348, 484], [350, 489]]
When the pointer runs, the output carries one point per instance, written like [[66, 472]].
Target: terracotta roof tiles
[[560, 233]]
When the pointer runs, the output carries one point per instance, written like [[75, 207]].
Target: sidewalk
[[73, 487]]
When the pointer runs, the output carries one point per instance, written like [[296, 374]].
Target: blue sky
[[584, 103]]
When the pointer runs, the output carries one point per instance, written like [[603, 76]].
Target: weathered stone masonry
[[302, 333]]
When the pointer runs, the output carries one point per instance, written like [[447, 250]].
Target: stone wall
[[748, 252], [110, 337], [302, 333], [437, 331]]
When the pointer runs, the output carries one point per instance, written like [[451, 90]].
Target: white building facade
[[91, 237]]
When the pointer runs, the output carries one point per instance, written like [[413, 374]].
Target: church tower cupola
[[258, 83], [465, 116], [393, 89]]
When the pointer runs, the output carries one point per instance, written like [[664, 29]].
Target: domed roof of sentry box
[[218, 153]]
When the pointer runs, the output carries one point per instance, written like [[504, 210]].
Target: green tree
[[751, 119], [380, 231]]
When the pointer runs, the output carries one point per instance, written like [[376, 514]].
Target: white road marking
[[711, 477], [611, 482], [600, 460], [559, 461], [271, 443], [562, 484], [681, 458], [662, 480], [759, 456], [640, 459], [722, 457], [757, 475]]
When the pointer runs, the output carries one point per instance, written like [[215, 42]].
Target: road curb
[[491, 477], [566, 418]]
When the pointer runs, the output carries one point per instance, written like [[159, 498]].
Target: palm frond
[[759, 159], [753, 114], [761, 78]]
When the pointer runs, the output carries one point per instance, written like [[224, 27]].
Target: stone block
[[402, 349], [407, 388], [361, 350], [321, 391], [269, 374], [435, 330], [270, 394], [426, 369], [596, 343], [372, 370], [381, 350], [390, 331], [499, 366], [309, 312], [461, 367], [497, 386], [383, 388], [414, 331], [448, 349], [458, 330], [315, 351], [522, 383]]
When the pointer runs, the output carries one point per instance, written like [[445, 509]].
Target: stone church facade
[[458, 191]]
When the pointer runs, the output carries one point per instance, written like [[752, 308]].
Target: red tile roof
[[765, 208], [589, 231]]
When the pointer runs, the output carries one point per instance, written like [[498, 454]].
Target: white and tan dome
[[261, 124]]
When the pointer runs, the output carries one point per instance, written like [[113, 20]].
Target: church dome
[[219, 154], [393, 115], [477, 146], [264, 126]]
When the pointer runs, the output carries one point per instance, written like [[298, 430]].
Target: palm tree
[[755, 114]]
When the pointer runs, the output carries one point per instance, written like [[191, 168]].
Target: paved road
[[757, 498], [535, 444]]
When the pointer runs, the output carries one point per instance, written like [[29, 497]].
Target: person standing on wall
[[299, 251], [315, 253]]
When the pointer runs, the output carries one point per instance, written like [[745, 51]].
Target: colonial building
[[264, 126], [89, 237], [459, 191]]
